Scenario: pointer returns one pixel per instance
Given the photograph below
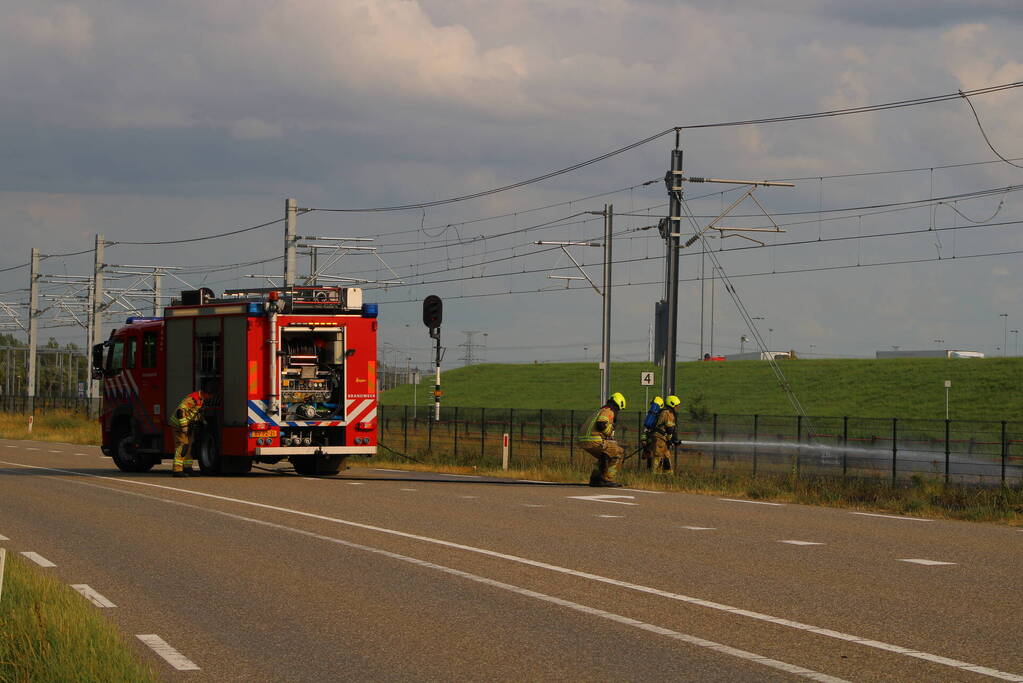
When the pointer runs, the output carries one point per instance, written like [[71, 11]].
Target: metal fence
[[961, 451]]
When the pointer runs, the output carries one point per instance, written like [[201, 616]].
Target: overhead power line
[[998, 154]]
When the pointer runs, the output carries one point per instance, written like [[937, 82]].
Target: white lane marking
[[178, 661], [29, 448], [172, 656], [653, 493], [469, 497], [355, 483], [874, 514], [751, 502], [4, 538], [606, 498], [81, 453], [790, 542], [409, 489], [721, 607], [54, 451], [92, 595], [465, 476], [537, 505], [611, 516], [699, 528], [929, 563], [380, 469], [9, 445], [38, 559], [531, 481]]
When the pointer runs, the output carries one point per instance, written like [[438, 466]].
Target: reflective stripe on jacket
[[599, 427], [189, 410]]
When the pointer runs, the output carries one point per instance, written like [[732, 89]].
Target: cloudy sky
[[152, 121]]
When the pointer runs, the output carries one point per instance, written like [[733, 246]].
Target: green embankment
[[982, 389], [50, 633]]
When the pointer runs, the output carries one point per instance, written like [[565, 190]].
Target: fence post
[[639, 439], [541, 436], [714, 448], [1005, 452], [429, 435], [895, 447], [571, 437], [404, 426], [456, 432], [511, 429], [948, 449], [845, 445], [799, 441], [483, 432], [756, 429]]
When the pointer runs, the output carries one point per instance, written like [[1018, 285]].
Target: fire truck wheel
[[207, 453], [125, 457], [311, 464]]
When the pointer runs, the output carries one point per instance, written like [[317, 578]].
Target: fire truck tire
[[207, 454], [311, 464], [125, 457]]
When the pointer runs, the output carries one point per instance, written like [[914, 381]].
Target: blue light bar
[[255, 308], [369, 310], [141, 319]]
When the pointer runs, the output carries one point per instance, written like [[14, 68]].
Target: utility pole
[[672, 231], [605, 339], [96, 315], [33, 327], [290, 214], [157, 293]]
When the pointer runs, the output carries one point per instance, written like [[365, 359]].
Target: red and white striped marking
[[360, 410]]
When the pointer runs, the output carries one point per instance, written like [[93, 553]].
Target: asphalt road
[[388, 575]]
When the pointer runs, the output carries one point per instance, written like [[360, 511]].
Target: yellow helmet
[[673, 401], [618, 400], [659, 401]]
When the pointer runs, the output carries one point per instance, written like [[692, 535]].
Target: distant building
[[930, 353]]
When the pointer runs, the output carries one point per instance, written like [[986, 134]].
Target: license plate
[[263, 434]]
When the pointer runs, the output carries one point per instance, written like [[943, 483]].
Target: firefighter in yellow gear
[[183, 422], [657, 448], [597, 439]]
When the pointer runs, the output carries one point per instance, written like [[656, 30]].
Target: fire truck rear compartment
[[312, 382]]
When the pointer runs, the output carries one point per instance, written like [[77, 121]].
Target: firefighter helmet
[[673, 401], [618, 400], [659, 401]]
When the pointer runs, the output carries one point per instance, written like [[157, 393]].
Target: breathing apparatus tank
[[652, 412]]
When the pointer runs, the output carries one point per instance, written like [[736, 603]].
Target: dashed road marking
[[92, 595], [81, 453], [908, 519], [469, 497], [699, 528], [653, 493], [409, 489], [172, 656], [29, 448], [4, 538], [611, 516], [791, 542], [380, 469], [50, 451], [927, 563], [538, 505], [465, 476], [531, 481], [752, 502], [355, 483], [649, 590], [38, 559], [606, 498]]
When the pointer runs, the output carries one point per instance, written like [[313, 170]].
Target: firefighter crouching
[[597, 439], [183, 422], [658, 440]]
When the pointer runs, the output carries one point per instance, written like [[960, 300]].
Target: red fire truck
[[292, 374]]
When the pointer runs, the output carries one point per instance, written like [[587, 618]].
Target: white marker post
[[948, 385], [31, 419], [505, 441], [3, 559]]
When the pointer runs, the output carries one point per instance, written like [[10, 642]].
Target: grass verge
[[63, 426], [50, 633]]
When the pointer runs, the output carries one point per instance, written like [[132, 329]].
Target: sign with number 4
[[646, 379]]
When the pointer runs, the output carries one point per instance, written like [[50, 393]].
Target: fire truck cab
[[292, 375]]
